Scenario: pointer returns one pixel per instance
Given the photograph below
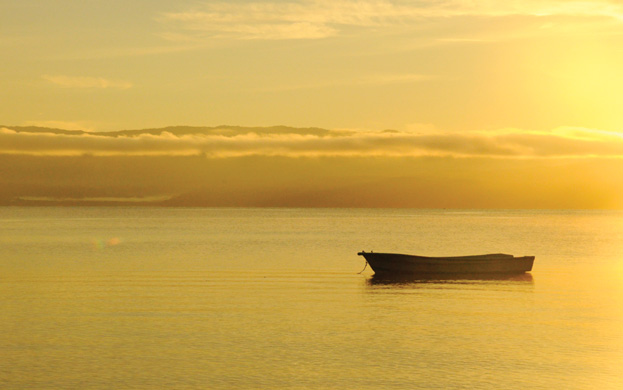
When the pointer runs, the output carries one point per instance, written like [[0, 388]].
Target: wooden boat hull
[[394, 263]]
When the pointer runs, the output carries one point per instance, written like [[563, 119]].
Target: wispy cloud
[[325, 18], [605, 8], [86, 82], [378, 79], [559, 143]]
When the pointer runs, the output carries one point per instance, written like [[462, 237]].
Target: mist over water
[[195, 298]]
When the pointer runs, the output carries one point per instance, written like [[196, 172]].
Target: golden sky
[[448, 65], [528, 84]]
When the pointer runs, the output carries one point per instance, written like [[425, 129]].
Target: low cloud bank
[[566, 142]]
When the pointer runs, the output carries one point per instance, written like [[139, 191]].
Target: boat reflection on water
[[467, 278]]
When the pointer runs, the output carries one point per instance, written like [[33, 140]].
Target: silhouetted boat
[[496, 263]]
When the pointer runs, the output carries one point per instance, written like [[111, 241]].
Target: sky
[[527, 84], [445, 65]]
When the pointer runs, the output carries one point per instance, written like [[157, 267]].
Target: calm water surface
[[135, 298]]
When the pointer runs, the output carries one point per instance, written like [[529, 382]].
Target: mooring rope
[[364, 267]]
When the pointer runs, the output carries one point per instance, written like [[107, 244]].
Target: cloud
[[324, 18], [568, 142], [61, 125], [531, 8], [86, 82], [378, 79]]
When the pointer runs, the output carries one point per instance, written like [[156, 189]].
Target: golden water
[[101, 298]]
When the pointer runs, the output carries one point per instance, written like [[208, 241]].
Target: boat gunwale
[[471, 258]]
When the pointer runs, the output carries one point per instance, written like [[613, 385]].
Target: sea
[[277, 298]]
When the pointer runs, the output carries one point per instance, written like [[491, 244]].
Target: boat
[[401, 264]]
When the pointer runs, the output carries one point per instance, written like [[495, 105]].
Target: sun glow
[[584, 76]]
